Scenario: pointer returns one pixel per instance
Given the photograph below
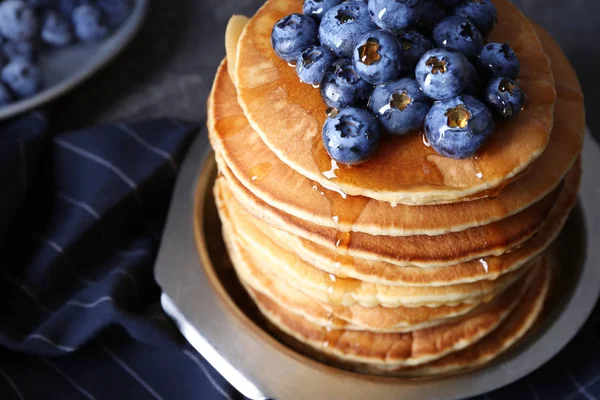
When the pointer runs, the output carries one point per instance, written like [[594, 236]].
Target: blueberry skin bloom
[[458, 127], [17, 20], [312, 64], [23, 78], [400, 106], [351, 137], [459, 33], [413, 45], [318, 8], [443, 73], [292, 34], [498, 60], [394, 15], [342, 87], [483, 13], [56, 30], [377, 57], [504, 97], [89, 23], [342, 26]]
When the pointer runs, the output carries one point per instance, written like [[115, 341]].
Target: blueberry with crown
[[352, 136], [482, 13], [504, 97], [498, 60], [396, 14], [401, 107], [292, 34], [443, 73], [342, 25], [377, 57], [318, 8], [342, 87], [459, 33], [458, 127], [312, 64]]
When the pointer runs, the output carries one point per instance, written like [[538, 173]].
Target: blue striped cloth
[[81, 215]]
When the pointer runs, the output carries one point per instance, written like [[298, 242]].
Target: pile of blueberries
[[31, 26], [402, 66]]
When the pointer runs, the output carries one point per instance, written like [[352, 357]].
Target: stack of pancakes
[[409, 264]]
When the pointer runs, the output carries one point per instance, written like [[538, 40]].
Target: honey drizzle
[[416, 169], [260, 171], [345, 211]]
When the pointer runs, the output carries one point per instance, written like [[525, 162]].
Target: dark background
[[169, 67]]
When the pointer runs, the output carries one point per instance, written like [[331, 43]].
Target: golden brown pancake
[[261, 172], [289, 116], [493, 239], [269, 245], [332, 288], [335, 316], [390, 351], [509, 332]]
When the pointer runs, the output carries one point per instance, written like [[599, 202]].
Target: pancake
[[283, 188], [270, 246], [289, 116], [391, 351], [332, 288], [325, 256], [493, 239], [509, 332], [355, 317]]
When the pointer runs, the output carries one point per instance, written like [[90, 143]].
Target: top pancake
[[289, 115]]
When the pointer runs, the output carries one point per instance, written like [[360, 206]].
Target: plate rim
[[178, 254], [121, 37]]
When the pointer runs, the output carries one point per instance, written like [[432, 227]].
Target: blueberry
[[342, 26], [312, 64], [342, 87], [498, 60], [433, 13], [56, 30], [504, 97], [6, 96], [292, 34], [24, 50], [443, 73], [352, 136], [115, 11], [395, 15], [377, 57], [400, 106], [458, 127], [459, 33], [23, 78], [413, 46], [318, 8], [483, 13], [17, 20], [89, 23]]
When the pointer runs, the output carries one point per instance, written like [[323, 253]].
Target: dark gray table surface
[[168, 69]]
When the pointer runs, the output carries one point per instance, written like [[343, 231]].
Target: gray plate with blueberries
[[51, 46]]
